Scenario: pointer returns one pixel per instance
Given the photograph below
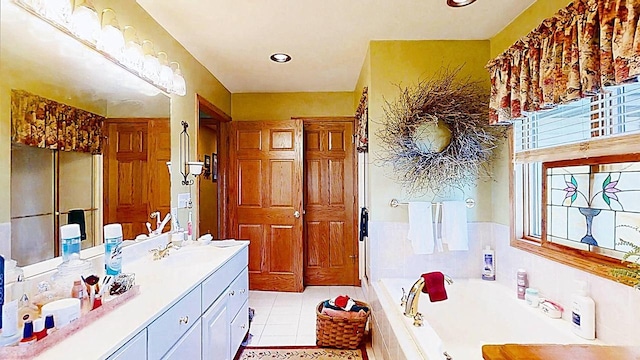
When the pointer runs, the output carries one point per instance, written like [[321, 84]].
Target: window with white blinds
[[615, 111]]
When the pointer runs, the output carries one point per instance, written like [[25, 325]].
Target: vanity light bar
[[80, 20]]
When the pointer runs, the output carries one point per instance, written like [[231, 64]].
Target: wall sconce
[[187, 167], [102, 33]]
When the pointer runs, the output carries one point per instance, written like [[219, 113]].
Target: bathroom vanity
[[192, 304]]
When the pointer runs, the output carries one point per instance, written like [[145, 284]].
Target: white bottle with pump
[[488, 264], [583, 312]]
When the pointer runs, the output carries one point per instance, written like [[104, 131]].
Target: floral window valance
[[586, 46], [44, 123]]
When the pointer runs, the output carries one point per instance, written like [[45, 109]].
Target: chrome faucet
[[161, 252], [411, 304]]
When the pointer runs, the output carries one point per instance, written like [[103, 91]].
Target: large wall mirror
[[123, 183]]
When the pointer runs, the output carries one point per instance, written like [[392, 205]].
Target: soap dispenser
[[583, 312]]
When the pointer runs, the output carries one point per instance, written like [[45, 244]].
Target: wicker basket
[[338, 332]]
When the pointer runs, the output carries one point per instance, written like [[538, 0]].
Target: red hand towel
[[434, 286], [341, 301]]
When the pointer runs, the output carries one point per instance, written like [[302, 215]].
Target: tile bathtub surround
[[392, 255], [617, 305]]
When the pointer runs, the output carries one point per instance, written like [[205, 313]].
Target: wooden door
[[159, 179], [265, 192], [126, 177], [330, 236], [136, 178]]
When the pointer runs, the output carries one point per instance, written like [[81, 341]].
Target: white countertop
[[162, 284]]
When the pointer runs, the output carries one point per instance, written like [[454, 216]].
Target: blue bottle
[[70, 240], [113, 249]]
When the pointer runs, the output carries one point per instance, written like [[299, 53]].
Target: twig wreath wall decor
[[445, 100]]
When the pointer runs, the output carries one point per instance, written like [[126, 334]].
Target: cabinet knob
[[184, 320], [243, 291], [232, 293], [242, 327]]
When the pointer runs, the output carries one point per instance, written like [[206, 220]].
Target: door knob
[[296, 214]]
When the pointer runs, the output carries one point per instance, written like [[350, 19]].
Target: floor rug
[[299, 353]]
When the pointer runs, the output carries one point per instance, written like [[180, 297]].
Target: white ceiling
[[327, 39]]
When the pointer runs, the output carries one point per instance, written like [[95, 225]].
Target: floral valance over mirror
[[586, 46], [44, 123]]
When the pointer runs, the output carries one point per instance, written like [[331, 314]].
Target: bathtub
[[476, 313]]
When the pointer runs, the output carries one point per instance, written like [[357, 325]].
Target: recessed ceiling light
[[460, 3], [280, 57]]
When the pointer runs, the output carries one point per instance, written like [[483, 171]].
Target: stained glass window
[[592, 206]]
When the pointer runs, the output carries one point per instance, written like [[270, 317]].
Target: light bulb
[[84, 22], [111, 38], [150, 64]]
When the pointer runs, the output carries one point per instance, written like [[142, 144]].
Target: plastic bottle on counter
[[583, 312], [488, 269], [113, 249], [70, 240], [523, 283]]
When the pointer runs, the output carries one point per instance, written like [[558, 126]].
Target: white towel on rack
[[421, 227], [454, 225]]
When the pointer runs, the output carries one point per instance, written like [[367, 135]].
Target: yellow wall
[[183, 108], [519, 27], [284, 106], [524, 23], [405, 63]]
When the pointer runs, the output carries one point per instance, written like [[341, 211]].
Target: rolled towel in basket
[[355, 308]]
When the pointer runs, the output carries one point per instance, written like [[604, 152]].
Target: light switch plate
[[183, 200]]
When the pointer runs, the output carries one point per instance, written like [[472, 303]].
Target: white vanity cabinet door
[[216, 332], [189, 346], [239, 327], [134, 349], [170, 326]]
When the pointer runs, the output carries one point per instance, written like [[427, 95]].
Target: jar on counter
[[68, 272], [532, 297]]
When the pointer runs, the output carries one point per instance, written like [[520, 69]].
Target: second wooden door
[[330, 235]]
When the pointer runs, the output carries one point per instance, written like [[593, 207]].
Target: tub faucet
[[411, 305]]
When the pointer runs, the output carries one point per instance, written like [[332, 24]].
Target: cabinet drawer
[[238, 292], [217, 282], [239, 327], [134, 349], [170, 326]]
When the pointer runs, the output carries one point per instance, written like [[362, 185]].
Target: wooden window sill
[[582, 260]]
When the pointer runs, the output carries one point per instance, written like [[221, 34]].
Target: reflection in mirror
[[124, 182]]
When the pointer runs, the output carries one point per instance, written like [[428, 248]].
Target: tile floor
[[290, 318]]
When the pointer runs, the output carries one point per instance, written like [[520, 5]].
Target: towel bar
[[469, 203]]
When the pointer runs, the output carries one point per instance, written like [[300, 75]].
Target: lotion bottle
[[583, 313], [488, 267]]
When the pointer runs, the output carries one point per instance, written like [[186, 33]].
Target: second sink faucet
[[159, 223]]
